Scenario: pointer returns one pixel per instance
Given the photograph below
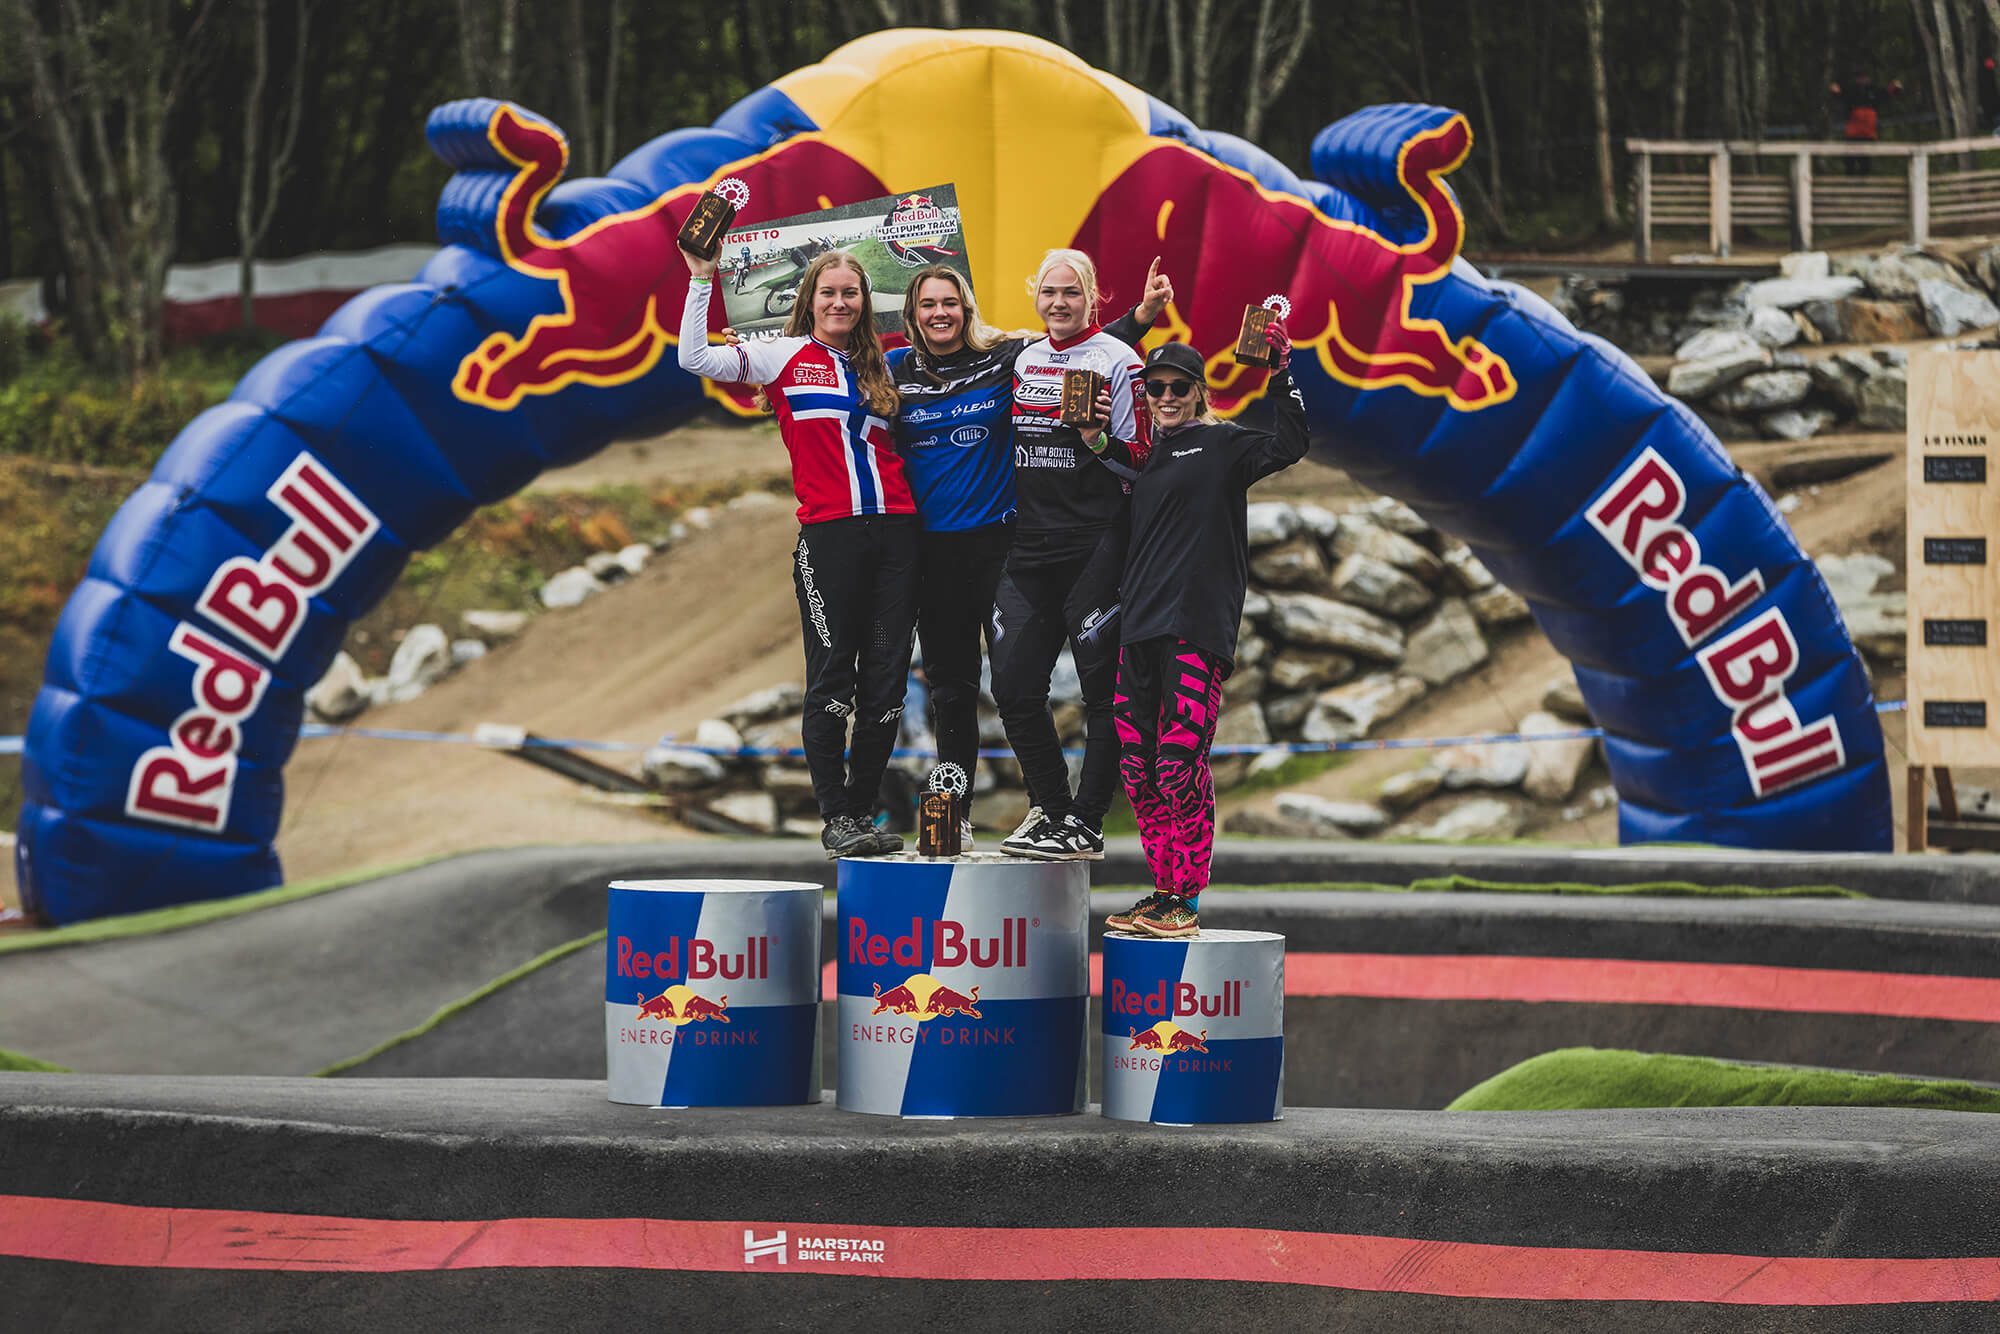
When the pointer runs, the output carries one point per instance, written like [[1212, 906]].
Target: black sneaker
[[885, 843], [1038, 837], [850, 836], [1085, 844]]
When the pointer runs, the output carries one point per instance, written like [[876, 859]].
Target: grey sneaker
[[850, 836]]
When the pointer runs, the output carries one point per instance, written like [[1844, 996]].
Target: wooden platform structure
[[1923, 189]]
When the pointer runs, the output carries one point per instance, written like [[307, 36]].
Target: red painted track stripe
[[1728, 986], [87, 1232]]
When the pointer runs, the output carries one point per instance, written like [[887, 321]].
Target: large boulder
[[1308, 668], [756, 812], [1951, 310], [1860, 320], [570, 587], [1878, 622], [1554, 766], [715, 734], [1302, 618], [1773, 327], [1239, 725], [1563, 697], [1720, 343], [1297, 563], [1284, 713], [763, 705], [680, 769], [1498, 606], [1699, 379], [1346, 817], [1480, 818], [1410, 788], [1447, 645], [1270, 522], [1501, 764], [1884, 400], [1788, 293], [342, 693], [1467, 570], [1359, 534], [1349, 712], [1795, 423], [1378, 586], [1901, 274], [1807, 264], [422, 660], [1766, 391], [1397, 517]]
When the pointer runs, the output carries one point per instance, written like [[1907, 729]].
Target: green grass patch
[[1591, 1077], [180, 916], [1300, 768], [13, 1060], [1459, 884], [465, 1003]]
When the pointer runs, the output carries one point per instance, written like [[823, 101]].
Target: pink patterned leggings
[[1169, 693]]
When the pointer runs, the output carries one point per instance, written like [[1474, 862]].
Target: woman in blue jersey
[[954, 431]]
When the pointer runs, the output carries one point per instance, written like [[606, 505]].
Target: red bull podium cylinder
[[1194, 1029], [964, 986], [711, 993]]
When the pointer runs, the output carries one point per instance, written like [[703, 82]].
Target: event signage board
[[1953, 506], [711, 993], [759, 267]]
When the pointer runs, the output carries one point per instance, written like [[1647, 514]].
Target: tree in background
[[257, 200], [105, 85]]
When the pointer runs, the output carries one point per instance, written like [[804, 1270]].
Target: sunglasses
[[1176, 388]]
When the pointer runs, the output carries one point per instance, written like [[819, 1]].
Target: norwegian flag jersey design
[[844, 460]]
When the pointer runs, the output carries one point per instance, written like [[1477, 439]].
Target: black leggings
[[959, 573], [1057, 588], [856, 581]]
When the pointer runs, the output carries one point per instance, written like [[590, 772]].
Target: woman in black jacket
[[1185, 573]]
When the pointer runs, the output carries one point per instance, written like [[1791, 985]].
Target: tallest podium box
[[964, 986]]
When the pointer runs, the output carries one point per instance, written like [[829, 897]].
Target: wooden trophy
[[711, 216], [941, 811], [1079, 396], [1251, 347]]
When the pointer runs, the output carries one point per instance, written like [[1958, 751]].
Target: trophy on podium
[[1080, 388], [941, 811], [711, 216], [1251, 347]]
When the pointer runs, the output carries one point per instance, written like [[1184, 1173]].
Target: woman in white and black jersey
[[954, 431], [1061, 580]]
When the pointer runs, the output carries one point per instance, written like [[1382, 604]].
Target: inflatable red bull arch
[[1735, 708]]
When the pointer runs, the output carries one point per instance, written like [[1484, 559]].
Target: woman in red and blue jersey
[[855, 568], [954, 431]]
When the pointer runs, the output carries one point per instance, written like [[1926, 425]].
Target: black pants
[[856, 581], [960, 572], [1060, 587]]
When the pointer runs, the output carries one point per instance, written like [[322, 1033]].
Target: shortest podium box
[[1194, 1029], [711, 993]]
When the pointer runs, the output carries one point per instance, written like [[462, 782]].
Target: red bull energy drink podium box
[[1194, 1029], [964, 986], [711, 993]]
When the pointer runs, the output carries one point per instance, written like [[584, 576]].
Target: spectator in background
[[1859, 98]]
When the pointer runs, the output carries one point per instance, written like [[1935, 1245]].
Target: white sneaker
[[965, 836], [1033, 818]]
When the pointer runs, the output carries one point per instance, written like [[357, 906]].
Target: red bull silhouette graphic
[[680, 1005], [924, 996], [896, 1000], [945, 1001], [611, 329], [1167, 1037]]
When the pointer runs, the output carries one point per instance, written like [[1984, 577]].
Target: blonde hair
[[1086, 276], [864, 346], [979, 335]]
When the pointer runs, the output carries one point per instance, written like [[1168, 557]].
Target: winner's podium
[[964, 985], [1194, 1028], [711, 993]]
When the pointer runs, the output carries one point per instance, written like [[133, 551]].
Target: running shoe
[[964, 837], [1085, 844], [850, 836], [1040, 838], [885, 843], [1172, 917], [1122, 921]]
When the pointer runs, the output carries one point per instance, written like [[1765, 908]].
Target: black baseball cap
[[1177, 357]]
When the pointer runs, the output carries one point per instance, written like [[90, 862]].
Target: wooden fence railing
[[1921, 188]]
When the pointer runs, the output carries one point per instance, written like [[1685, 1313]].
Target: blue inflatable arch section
[[1704, 640]]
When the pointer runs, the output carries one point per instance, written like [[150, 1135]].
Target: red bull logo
[[610, 330], [1168, 1046], [1354, 290], [705, 959], [950, 946], [677, 1007], [680, 1005], [926, 998], [922, 998], [1182, 999]]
